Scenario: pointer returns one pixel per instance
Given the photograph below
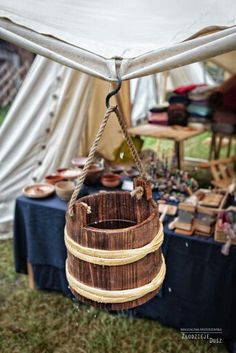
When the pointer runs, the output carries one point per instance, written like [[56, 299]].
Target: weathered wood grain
[[115, 205]]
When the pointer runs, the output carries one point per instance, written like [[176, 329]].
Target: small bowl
[[71, 174], [117, 169], [53, 178], [64, 190], [61, 170], [39, 190], [132, 173], [111, 180], [79, 161], [94, 174]]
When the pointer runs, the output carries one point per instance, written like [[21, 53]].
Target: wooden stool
[[222, 171]]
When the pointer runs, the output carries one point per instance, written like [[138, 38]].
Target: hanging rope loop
[[134, 152], [131, 145], [89, 161]]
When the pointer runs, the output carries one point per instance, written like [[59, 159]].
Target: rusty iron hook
[[113, 92]]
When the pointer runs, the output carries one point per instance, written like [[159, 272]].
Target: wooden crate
[[219, 235]]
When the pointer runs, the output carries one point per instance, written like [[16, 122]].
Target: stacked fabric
[[189, 105], [158, 115], [177, 111], [199, 111]]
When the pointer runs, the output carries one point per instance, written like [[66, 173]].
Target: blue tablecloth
[[200, 285]]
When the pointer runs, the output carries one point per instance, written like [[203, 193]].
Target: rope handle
[[89, 161], [130, 143], [93, 149]]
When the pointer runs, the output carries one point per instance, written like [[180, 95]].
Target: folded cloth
[[201, 93], [179, 98], [202, 102], [160, 118], [161, 107], [199, 119], [177, 114], [198, 109], [187, 88]]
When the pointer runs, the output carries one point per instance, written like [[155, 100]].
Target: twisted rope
[[89, 161], [137, 192], [130, 143], [93, 149], [116, 296], [113, 257]]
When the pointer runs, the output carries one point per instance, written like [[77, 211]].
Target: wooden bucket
[[116, 268]]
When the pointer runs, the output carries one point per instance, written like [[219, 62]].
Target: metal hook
[[115, 91]]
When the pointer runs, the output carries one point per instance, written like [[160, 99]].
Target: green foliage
[[195, 147], [123, 154], [33, 321], [3, 113]]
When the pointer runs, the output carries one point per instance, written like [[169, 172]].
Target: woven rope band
[[117, 296], [113, 257]]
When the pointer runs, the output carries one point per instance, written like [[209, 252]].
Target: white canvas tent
[[101, 38], [142, 37], [54, 117]]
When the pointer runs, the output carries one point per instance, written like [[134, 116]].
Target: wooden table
[[176, 133], [196, 269]]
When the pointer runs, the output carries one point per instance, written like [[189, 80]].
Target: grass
[[195, 147], [3, 113], [47, 322], [33, 321]]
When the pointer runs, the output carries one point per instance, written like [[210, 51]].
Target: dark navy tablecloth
[[200, 286]]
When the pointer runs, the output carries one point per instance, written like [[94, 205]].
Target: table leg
[[30, 276], [178, 153], [213, 146], [229, 146], [217, 152]]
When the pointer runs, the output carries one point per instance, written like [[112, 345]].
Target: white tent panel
[[56, 114], [147, 36], [187, 75], [43, 128]]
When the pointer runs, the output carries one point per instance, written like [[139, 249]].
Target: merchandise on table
[[39, 190], [110, 180], [53, 178], [222, 234], [64, 190], [164, 175]]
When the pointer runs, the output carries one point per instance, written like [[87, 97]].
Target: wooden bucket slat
[[115, 205]]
